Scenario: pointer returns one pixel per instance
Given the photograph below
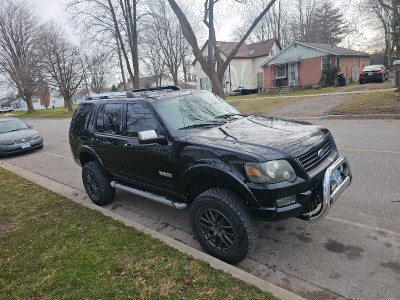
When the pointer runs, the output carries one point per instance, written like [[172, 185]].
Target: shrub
[[329, 75]]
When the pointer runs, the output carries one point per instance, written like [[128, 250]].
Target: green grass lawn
[[53, 248], [387, 102], [262, 106], [351, 87], [58, 113]]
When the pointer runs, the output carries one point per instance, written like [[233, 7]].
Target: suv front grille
[[23, 140], [311, 159]]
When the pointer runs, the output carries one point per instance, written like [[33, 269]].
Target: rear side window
[[139, 118], [109, 118], [82, 117]]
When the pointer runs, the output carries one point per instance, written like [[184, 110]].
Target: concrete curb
[[81, 198], [361, 117]]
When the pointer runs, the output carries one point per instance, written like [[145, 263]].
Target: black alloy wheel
[[97, 183], [92, 186], [217, 229]]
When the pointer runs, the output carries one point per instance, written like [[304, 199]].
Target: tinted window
[[82, 117], [100, 117], [139, 118], [109, 118], [373, 68]]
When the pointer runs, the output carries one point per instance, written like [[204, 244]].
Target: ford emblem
[[321, 152]]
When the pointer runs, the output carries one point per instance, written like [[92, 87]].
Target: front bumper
[[16, 148], [312, 204]]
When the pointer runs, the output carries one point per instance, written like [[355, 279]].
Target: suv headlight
[[270, 172], [6, 143], [36, 136]]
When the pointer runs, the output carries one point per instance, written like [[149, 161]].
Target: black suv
[[193, 149]]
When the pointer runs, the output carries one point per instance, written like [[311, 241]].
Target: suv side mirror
[[150, 137]]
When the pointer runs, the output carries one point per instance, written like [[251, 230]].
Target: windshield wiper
[[231, 115], [201, 125]]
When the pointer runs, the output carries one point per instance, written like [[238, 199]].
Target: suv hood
[[262, 136]]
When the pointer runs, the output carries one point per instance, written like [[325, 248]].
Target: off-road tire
[[106, 192], [243, 224]]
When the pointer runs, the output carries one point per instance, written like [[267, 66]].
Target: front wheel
[[97, 183], [223, 225]]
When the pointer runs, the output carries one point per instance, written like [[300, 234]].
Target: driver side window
[[139, 118]]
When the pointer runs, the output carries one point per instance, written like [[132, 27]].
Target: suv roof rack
[[125, 94], [159, 88], [132, 93]]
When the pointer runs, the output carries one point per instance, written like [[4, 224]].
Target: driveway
[[319, 105], [353, 253]]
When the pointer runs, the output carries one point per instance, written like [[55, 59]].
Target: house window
[[272, 52], [325, 62], [205, 84], [280, 71]]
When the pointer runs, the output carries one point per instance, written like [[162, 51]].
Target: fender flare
[[88, 149], [225, 172]]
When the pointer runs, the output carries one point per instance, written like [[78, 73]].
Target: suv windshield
[[12, 125], [191, 111]]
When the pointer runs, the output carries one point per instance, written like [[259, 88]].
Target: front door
[[147, 164], [108, 140], [293, 74]]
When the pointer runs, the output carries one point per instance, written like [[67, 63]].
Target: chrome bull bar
[[329, 197]]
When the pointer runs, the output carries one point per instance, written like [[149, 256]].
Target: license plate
[[336, 177], [370, 74], [25, 145]]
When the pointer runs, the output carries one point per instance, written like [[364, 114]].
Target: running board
[[149, 195]]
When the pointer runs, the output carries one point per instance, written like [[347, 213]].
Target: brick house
[[301, 63]]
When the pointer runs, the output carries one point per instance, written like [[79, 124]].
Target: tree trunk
[[68, 103], [121, 65], [216, 84], [28, 100]]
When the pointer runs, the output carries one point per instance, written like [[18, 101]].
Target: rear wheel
[[97, 183], [361, 82], [223, 225]]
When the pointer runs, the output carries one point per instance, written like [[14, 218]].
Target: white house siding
[[242, 72], [54, 100]]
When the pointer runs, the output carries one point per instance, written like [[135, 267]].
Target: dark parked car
[[374, 73], [193, 149], [16, 136]]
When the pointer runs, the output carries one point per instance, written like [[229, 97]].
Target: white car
[[5, 109]]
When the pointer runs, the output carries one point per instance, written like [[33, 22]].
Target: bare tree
[[215, 66], [165, 33], [97, 70], [275, 23], [153, 60], [61, 63], [303, 18], [110, 20], [19, 64]]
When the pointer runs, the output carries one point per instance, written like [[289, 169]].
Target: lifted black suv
[[192, 148]]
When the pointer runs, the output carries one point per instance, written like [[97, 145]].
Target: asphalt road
[[353, 253]]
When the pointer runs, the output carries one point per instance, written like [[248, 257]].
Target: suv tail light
[[362, 73], [378, 72]]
